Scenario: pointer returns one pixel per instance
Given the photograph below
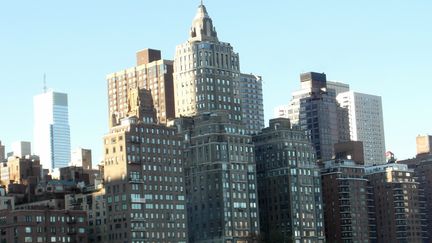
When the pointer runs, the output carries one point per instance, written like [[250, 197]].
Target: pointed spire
[[202, 12], [202, 26]]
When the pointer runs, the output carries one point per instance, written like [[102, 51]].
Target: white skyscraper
[[366, 124], [51, 129]]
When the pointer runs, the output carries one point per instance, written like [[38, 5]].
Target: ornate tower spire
[[202, 26]]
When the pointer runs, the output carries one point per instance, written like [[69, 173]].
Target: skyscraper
[[206, 72], [289, 185], [316, 110], [144, 177], [348, 205], [219, 162], [398, 203], [151, 73], [251, 95], [51, 129], [365, 117]]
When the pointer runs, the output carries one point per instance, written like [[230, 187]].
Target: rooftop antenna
[[202, 2], [44, 83]]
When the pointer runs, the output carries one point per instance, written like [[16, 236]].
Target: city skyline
[[77, 54]]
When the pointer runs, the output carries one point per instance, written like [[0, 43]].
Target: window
[[28, 239], [28, 230]]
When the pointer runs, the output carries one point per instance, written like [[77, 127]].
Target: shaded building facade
[[289, 185], [43, 226], [94, 204], [398, 203], [316, 110], [348, 203], [218, 153], [220, 180]]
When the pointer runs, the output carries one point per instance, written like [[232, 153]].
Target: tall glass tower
[[51, 129]]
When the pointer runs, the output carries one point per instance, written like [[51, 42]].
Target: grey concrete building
[[251, 95], [289, 185], [218, 153], [220, 180]]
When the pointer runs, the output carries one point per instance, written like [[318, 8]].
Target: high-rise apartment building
[[366, 124], [51, 129], [289, 185], [422, 166], [348, 205], [21, 148], [220, 180], [151, 73], [398, 206], [219, 162], [423, 171], [144, 177], [316, 110], [81, 157], [251, 95], [206, 72]]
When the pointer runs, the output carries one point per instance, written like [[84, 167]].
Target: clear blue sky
[[378, 47]]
